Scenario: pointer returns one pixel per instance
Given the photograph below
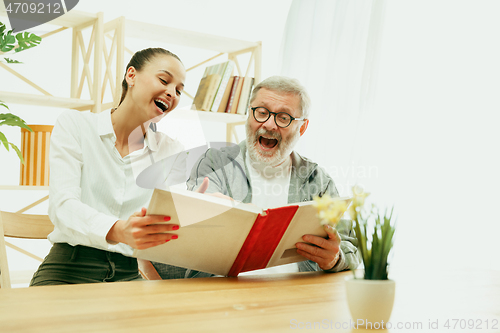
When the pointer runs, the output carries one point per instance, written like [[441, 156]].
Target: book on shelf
[[237, 93], [232, 93], [211, 103], [246, 91], [225, 71], [225, 97], [206, 92], [226, 237]]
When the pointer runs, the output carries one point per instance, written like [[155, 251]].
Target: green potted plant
[[25, 40], [370, 298]]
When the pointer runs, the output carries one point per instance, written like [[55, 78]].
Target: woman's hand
[[141, 231]]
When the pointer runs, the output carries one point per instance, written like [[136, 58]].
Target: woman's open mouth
[[161, 105]]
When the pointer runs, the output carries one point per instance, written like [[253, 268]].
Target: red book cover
[[263, 239], [232, 94]]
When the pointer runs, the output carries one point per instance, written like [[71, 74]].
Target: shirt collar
[[105, 127], [150, 140]]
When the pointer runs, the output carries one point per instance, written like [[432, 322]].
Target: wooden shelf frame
[[49, 101], [120, 28], [90, 72], [99, 75], [117, 30], [26, 188]]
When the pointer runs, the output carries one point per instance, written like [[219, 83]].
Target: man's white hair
[[287, 85]]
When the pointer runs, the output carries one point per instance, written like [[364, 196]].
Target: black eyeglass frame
[[275, 114]]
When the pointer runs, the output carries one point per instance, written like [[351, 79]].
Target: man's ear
[[304, 127]]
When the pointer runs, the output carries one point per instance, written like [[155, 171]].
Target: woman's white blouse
[[92, 186]]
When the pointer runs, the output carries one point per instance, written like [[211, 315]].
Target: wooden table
[[272, 303]]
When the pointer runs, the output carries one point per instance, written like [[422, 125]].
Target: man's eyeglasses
[[282, 119]]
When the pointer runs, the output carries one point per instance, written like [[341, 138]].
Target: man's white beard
[[272, 158]]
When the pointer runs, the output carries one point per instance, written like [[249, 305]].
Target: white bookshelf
[[120, 29], [44, 100], [103, 76], [193, 39]]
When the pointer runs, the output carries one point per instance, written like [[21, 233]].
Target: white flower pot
[[370, 301]]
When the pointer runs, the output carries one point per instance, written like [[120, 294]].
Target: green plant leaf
[[376, 249], [16, 123], [3, 139], [12, 120], [374, 231], [2, 28], [12, 61], [6, 144], [4, 105], [19, 154], [388, 230], [7, 41], [27, 40], [361, 240], [4, 116]]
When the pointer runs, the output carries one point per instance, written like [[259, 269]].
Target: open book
[[226, 237]]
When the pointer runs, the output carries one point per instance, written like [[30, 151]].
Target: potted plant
[[25, 40], [370, 298]]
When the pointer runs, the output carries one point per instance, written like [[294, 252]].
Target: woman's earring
[[131, 85]]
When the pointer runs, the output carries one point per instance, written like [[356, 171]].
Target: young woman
[[95, 203]]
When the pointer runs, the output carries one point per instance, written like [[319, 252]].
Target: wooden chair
[[20, 226], [147, 270]]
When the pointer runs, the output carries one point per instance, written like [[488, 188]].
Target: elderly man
[[265, 170]]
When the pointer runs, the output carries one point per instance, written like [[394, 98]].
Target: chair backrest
[[19, 226]]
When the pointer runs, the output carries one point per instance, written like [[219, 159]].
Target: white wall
[[433, 132]]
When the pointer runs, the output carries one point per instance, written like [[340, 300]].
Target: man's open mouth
[[267, 143], [161, 105]]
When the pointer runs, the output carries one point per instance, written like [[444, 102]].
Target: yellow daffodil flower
[[329, 210], [322, 203]]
